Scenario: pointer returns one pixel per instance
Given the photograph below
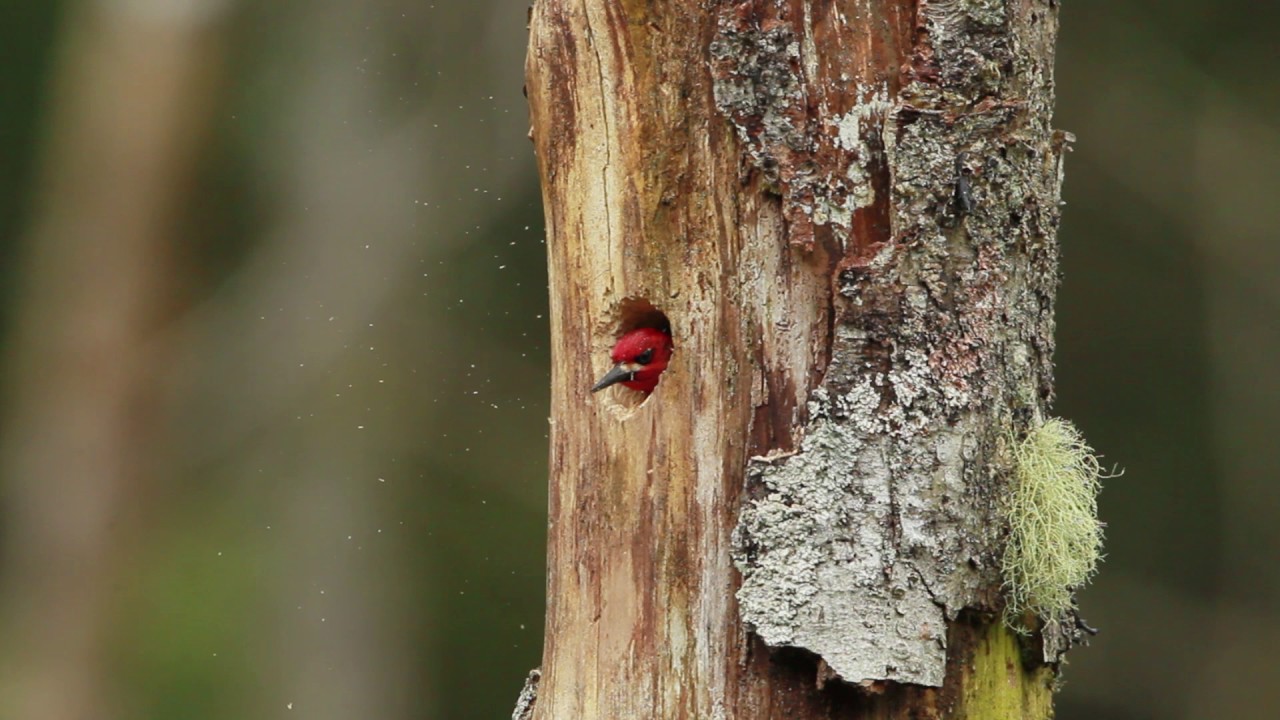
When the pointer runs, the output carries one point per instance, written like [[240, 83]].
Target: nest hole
[[633, 313], [637, 312]]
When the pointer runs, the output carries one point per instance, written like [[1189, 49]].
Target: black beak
[[618, 374]]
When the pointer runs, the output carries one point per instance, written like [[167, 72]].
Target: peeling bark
[[847, 211], [528, 697]]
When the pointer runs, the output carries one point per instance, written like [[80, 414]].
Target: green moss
[[999, 687], [1055, 538]]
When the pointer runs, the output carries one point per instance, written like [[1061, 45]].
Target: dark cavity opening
[[637, 313], [634, 313]]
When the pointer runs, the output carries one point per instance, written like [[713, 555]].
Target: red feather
[[648, 350]]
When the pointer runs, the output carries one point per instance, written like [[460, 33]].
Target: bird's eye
[[644, 357]]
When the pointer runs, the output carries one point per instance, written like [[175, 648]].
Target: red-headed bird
[[641, 356]]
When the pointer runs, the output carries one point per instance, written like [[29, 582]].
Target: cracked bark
[[847, 211]]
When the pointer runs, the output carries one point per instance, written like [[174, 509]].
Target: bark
[[846, 212]]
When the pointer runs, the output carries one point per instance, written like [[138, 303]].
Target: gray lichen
[[765, 88], [528, 696], [817, 161], [883, 525], [866, 540]]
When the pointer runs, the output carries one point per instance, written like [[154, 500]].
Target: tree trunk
[[846, 213]]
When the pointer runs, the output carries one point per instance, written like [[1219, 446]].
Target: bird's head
[[640, 356]]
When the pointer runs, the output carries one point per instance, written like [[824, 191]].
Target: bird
[[640, 356]]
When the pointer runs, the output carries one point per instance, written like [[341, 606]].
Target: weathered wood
[[847, 212]]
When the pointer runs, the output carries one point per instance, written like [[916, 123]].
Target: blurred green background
[[273, 357]]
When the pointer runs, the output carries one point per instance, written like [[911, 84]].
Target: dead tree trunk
[[846, 212]]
